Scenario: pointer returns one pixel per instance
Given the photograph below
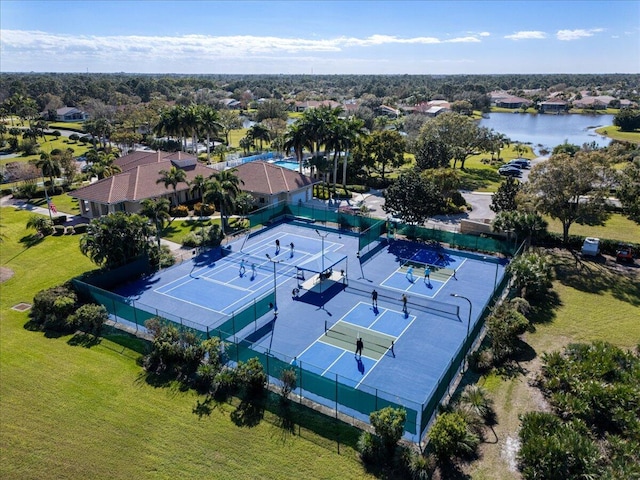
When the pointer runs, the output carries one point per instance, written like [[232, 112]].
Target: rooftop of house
[[267, 178]]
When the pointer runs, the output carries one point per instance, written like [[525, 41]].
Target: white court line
[[335, 361]]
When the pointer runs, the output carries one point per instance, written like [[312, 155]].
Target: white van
[[591, 247]]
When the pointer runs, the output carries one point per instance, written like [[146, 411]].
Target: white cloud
[[484, 34], [527, 35], [208, 46], [567, 35]]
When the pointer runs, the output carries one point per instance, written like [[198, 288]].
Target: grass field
[[596, 302], [615, 133], [72, 412], [46, 146], [617, 227]]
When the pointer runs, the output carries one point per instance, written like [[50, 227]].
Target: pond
[[548, 131]]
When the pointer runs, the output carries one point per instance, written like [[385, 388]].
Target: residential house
[[138, 181], [70, 114], [125, 191], [270, 184], [307, 104], [512, 102], [554, 106], [388, 111]]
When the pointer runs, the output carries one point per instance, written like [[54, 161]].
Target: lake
[[548, 131]]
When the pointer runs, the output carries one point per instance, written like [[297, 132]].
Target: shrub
[[52, 306], [450, 437], [289, 380], [554, 448], [389, 426], [481, 361], [89, 318], [252, 377], [180, 211], [192, 240], [358, 188], [80, 228], [204, 209], [369, 447], [74, 137], [40, 224], [58, 230], [26, 189], [70, 230]]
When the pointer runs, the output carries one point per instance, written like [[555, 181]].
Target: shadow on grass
[[477, 178], [543, 308], [596, 276], [126, 340], [85, 340], [452, 471], [250, 412], [31, 240]]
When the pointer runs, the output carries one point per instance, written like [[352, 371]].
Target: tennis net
[[261, 263], [395, 296], [374, 341], [419, 268]]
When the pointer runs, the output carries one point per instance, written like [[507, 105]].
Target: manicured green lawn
[[64, 204], [481, 176], [74, 126], [618, 227], [72, 412], [48, 145], [615, 133]]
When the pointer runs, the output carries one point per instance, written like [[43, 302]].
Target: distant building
[[69, 114], [554, 106]]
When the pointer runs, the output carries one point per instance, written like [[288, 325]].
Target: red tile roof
[[137, 182], [267, 178]]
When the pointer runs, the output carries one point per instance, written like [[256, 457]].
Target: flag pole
[[46, 195]]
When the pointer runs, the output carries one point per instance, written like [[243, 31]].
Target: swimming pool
[[287, 164]]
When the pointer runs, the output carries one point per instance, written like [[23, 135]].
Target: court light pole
[[322, 237], [468, 321], [275, 290]]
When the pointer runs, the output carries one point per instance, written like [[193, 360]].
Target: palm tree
[[223, 187], [297, 140], [197, 186], [156, 210], [49, 166], [40, 224], [172, 177], [210, 123], [104, 166], [259, 132], [191, 124], [169, 124], [355, 129]]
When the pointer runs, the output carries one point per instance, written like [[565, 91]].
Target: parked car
[[520, 163], [624, 253], [590, 247], [509, 171]]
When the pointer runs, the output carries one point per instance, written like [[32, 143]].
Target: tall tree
[[413, 198], [380, 151], [459, 133], [209, 120], [156, 210], [172, 177], [505, 197], [629, 190], [223, 188], [571, 188], [116, 239], [297, 140]]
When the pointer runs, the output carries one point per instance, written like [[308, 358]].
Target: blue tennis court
[[320, 317], [333, 353]]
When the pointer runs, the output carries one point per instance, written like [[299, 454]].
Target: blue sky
[[321, 37]]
